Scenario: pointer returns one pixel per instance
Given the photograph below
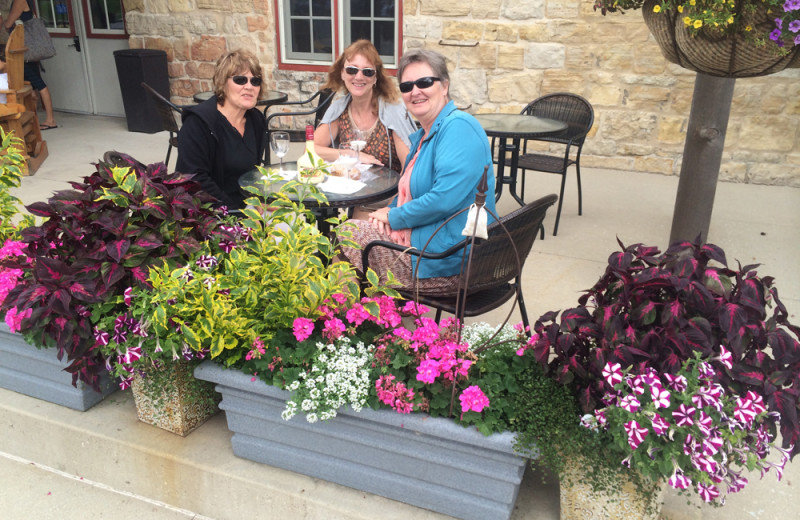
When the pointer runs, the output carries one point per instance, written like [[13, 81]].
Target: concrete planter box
[[39, 373], [427, 462]]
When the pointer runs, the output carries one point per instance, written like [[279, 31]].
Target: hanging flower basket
[[723, 55], [172, 399]]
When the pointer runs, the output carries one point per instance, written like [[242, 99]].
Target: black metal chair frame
[[166, 112], [577, 112], [325, 98], [492, 279]]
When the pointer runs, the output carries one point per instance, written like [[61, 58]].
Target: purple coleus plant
[[655, 311], [97, 240]]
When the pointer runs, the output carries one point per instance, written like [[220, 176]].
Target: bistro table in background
[[271, 97], [381, 183], [515, 127]]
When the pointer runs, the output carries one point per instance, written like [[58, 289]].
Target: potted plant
[[380, 406], [95, 242], [731, 39], [249, 278], [24, 369], [681, 367]]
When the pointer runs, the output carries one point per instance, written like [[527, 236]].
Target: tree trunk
[[702, 155]]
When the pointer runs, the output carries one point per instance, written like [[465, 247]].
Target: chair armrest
[[408, 250]]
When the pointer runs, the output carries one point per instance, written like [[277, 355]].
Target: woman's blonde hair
[[231, 64], [384, 86]]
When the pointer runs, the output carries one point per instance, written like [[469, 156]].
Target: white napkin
[[340, 185]]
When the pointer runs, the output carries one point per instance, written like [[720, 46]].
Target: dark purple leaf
[[117, 249]]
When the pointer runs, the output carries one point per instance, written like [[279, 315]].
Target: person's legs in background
[[47, 104]]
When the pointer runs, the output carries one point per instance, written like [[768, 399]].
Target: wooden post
[[702, 155]]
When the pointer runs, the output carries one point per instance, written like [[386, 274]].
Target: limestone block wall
[[505, 53]]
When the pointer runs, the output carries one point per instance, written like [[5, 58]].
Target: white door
[[82, 77]]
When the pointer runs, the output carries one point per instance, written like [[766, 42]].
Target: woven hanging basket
[[723, 55]]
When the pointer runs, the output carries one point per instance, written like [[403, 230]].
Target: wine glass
[[279, 141], [360, 141], [348, 157]]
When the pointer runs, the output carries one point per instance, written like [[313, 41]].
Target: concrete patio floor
[[58, 463]]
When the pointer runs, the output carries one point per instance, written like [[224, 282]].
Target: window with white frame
[[309, 28], [54, 14]]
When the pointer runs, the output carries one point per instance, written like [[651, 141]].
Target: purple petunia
[[775, 35], [794, 26], [636, 434], [613, 373], [791, 5]]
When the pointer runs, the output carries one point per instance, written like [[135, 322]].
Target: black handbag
[[38, 41]]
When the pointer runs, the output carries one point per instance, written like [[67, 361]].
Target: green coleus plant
[[273, 266], [652, 312], [97, 240], [11, 168]]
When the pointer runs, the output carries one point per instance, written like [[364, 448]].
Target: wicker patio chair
[[579, 115], [166, 112], [496, 267]]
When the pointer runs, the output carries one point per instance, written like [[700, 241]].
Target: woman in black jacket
[[223, 137]]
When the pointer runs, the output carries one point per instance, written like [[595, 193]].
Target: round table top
[[381, 183], [271, 97], [519, 125]]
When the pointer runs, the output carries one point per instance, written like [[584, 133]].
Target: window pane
[[116, 16], [299, 8], [384, 38], [323, 40], [301, 36], [360, 29], [97, 8], [360, 8], [384, 9], [321, 8]]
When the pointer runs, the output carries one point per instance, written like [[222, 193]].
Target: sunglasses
[[242, 80], [421, 83], [367, 72]]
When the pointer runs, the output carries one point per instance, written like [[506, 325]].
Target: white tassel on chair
[[476, 214]]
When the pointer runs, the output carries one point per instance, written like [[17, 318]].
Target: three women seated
[[441, 163]]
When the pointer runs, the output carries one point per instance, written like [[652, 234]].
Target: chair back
[[15, 58], [494, 260], [569, 108], [166, 109], [324, 100]]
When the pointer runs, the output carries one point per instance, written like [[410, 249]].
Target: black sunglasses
[[421, 83], [367, 72], [242, 80]]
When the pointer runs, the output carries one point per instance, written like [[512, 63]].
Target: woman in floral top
[[371, 104]]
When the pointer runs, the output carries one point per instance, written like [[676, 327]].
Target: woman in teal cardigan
[[440, 177]]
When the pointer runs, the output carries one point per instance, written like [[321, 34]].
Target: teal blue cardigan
[[444, 181]]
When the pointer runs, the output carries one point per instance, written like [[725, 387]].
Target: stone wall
[[505, 53]]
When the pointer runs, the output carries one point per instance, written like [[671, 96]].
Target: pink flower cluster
[[395, 394], [710, 430], [8, 280]]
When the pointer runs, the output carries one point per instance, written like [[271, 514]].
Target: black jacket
[[199, 151]]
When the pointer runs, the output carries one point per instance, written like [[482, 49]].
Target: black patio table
[[515, 127], [381, 183], [271, 97]]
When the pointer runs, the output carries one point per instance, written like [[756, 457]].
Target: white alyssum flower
[[339, 376]]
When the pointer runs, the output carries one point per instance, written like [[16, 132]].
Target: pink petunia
[[473, 399], [725, 358], [677, 383], [613, 373], [660, 425], [636, 434], [684, 415], [630, 404], [302, 328], [678, 480], [708, 492], [660, 396]]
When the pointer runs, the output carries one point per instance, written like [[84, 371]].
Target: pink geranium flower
[[473, 399], [302, 327]]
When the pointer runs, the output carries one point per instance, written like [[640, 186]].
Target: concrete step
[[117, 464]]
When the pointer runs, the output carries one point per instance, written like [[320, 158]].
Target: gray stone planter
[[427, 462], [38, 373]]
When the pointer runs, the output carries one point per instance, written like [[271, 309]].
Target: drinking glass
[[360, 140], [279, 141], [348, 156]]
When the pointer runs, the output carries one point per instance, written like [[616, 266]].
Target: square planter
[[40, 374], [173, 400], [427, 462]]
